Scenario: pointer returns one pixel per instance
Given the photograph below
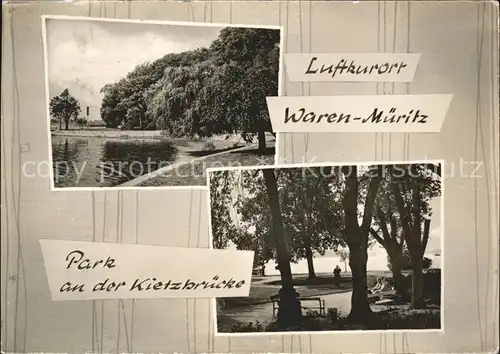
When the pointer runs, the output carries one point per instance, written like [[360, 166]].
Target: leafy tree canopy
[[64, 107], [214, 90]]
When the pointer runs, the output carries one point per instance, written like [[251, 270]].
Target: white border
[[151, 22], [213, 305]]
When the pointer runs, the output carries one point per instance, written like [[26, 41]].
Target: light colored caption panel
[[458, 50], [35, 323]]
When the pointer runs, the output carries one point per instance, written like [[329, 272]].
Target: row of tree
[[215, 90], [289, 214]]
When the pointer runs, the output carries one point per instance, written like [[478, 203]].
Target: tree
[[216, 90], [65, 108], [82, 122], [226, 230], [344, 257], [126, 102], [178, 102], [357, 235], [413, 186], [249, 58], [386, 230], [310, 212], [389, 236], [220, 198], [109, 111], [406, 262]]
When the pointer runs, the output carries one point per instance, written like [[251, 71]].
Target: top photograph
[[154, 104]]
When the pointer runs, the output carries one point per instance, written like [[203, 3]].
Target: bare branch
[[350, 195], [405, 219], [377, 237], [417, 221], [370, 200], [383, 223]]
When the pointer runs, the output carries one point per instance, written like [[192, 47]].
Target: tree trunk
[[416, 251], [412, 231], [310, 262], [397, 276], [357, 240], [262, 140], [360, 308], [289, 313], [60, 123], [66, 123], [417, 299]]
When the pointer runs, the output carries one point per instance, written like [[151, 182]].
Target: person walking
[[336, 276]]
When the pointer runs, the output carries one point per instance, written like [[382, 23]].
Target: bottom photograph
[[347, 247]]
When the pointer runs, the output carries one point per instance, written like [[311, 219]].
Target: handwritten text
[[345, 67], [376, 116]]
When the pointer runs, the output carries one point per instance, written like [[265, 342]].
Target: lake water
[[105, 162], [377, 261]]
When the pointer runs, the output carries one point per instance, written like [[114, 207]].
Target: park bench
[[389, 294], [320, 304], [259, 271]]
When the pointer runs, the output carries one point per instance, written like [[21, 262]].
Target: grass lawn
[[402, 318], [326, 279], [194, 173]]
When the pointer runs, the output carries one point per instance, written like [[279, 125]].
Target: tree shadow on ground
[[267, 151], [201, 153]]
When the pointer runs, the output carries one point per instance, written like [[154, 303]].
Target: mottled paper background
[[458, 43]]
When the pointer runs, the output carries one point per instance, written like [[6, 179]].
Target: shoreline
[[183, 162], [224, 139], [98, 133]]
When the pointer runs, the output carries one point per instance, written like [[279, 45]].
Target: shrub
[[312, 313], [256, 326], [333, 315], [310, 321], [432, 285], [406, 262], [209, 146], [82, 122], [412, 319]]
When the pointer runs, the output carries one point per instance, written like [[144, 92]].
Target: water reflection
[[126, 160], [100, 162]]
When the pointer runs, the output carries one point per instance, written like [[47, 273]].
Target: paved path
[[342, 301], [182, 161], [264, 312]]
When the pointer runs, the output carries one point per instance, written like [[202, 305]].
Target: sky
[[86, 55], [377, 256]]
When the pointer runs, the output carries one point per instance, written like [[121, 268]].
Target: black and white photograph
[[154, 104], [347, 247]]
